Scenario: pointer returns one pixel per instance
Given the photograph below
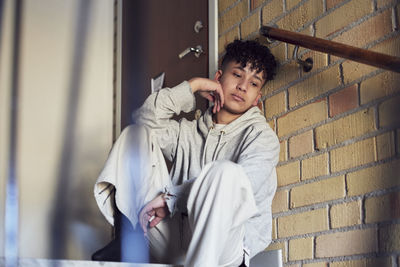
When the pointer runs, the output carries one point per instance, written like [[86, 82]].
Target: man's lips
[[237, 98]]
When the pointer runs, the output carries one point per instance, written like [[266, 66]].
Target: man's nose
[[242, 85]]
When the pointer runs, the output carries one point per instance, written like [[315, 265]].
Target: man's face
[[241, 87]]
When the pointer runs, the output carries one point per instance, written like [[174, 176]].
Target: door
[[154, 33]]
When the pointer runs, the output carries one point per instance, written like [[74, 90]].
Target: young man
[[214, 208]]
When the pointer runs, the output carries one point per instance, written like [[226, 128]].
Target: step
[[264, 258], [75, 263]]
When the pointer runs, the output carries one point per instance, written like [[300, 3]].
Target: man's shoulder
[[262, 132]]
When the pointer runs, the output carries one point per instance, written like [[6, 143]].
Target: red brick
[[343, 100], [301, 144], [255, 3]]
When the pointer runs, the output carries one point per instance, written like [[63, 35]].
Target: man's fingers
[[145, 216], [210, 97], [155, 221], [143, 224], [221, 96]]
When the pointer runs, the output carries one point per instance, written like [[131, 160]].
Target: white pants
[[219, 203]]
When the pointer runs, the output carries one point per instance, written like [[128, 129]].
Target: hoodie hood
[[250, 117]]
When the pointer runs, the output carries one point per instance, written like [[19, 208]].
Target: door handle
[[198, 50]]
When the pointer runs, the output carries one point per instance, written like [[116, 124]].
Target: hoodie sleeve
[[158, 110], [258, 159], [156, 113]]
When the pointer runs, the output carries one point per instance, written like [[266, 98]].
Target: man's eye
[[254, 84], [236, 74]]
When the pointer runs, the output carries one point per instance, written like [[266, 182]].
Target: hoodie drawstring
[[215, 154], [204, 149], [219, 142]]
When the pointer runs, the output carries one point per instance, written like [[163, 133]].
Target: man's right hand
[[153, 213], [210, 90]]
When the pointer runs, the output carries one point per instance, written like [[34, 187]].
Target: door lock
[[197, 51]]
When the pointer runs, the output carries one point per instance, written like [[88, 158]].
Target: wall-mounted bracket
[[307, 64]]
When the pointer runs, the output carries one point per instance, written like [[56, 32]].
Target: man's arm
[[210, 90], [159, 108]]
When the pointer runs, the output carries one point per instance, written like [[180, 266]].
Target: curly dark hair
[[258, 56]]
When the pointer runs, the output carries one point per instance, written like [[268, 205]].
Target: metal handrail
[[334, 48]]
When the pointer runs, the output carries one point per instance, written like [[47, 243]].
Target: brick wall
[[338, 198]]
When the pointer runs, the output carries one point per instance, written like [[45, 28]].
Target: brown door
[[154, 33]]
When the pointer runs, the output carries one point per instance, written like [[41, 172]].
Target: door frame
[[212, 38], [212, 55]]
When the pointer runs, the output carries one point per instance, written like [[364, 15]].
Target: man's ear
[[218, 75], [255, 103]]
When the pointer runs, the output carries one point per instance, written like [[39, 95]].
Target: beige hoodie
[[248, 141]]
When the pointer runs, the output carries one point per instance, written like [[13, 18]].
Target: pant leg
[[169, 239], [135, 173], [220, 202]]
